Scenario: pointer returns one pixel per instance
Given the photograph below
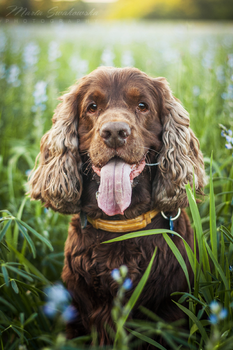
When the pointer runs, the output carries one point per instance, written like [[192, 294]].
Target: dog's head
[[115, 121]]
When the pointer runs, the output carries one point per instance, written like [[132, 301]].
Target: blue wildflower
[[223, 314], [58, 302], [57, 293], [69, 314], [213, 319], [218, 313], [127, 285], [215, 307], [231, 268], [228, 136], [50, 309], [116, 275]]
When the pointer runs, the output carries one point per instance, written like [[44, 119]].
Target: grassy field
[[37, 64]]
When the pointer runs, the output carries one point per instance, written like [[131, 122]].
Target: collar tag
[[83, 218]]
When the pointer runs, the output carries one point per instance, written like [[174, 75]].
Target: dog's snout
[[115, 133]]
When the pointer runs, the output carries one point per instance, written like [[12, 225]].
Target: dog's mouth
[[115, 190]]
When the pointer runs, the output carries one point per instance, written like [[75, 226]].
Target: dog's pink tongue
[[115, 187]]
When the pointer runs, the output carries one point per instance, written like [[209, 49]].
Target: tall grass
[[37, 63]]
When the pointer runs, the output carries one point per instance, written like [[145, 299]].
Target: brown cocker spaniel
[[98, 157]]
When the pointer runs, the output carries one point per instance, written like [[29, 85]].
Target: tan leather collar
[[131, 225]]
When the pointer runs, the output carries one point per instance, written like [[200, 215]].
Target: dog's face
[[119, 124], [118, 113], [115, 120]]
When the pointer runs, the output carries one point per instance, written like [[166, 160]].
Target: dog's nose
[[115, 133]]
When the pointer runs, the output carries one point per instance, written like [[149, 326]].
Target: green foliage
[[198, 63]]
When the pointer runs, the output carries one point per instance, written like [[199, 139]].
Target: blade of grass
[[39, 236], [27, 237], [16, 228], [30, 266], [213, 229], [5, 228], [5, 275], [179, 257], [220, 272], [147, 340], [134, 297], [140, 234], [195, 321]]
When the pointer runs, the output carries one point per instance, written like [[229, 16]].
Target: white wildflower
[[53, 52], [13, 75], [30, 54]]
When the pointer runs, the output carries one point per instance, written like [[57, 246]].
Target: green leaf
[[21, 273], [134, 297], [27, 237], [39, 236], [4, 246], [30, 319], [213, 229], [140, 234], [190, 296], [27, 287], [21, 317], [226, 233], [218, 268], [195, 216], [147, 340], [16, 228], [5, 275], [9, 305], [178, 256], [14, 286], [195, 320], [203, 257], [195, 328], [30, 266], [4, 230]]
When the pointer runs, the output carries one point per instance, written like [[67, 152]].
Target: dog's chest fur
[[89, 263]]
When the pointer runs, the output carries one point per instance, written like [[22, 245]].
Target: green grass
[[197, 60]]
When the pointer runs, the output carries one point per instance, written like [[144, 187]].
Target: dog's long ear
[[180, 156], [57, 181]]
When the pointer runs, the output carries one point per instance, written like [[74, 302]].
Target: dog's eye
[[143, 107], [92, 108]]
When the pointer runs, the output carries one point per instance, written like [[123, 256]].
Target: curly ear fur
[[58, 181], [179, 157]]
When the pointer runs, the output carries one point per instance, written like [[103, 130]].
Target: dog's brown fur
[[64, 181]]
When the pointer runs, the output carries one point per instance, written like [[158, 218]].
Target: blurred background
[[119, 9]]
